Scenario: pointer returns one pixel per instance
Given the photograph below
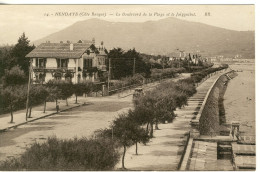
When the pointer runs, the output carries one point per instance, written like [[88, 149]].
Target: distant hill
[[160, 37]]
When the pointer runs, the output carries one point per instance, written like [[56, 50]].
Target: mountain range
[[164, 37]]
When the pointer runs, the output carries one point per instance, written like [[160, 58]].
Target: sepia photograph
[[109, 87]]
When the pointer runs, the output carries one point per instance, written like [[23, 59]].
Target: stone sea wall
[[213, 112]]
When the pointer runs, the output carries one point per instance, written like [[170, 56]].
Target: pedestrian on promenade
[[57, 107]]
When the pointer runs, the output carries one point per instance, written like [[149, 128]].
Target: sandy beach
[[239, 99]]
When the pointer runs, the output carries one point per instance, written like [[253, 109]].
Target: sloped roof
[[59, 50]]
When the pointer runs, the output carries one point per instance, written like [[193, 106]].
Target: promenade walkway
[[164, 151]]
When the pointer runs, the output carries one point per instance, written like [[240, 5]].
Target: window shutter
[[58, 62], [36, 62]]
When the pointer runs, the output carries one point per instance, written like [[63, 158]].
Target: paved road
[[79, 122]]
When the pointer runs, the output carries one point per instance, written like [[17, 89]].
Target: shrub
[[164, 73], [74, 154]]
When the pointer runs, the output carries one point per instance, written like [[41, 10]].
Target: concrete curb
[[187, 155], [44, 116]]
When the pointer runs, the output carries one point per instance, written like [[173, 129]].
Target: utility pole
[[109, 74], [134, 67], [28, 91]]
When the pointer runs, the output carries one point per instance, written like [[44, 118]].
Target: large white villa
[[67, 61]]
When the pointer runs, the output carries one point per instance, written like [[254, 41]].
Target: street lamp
[[28, 90]]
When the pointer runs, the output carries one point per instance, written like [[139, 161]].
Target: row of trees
[[198, 76], [168, 72], [14, 93], [158, 105], [154, 107], [124, 64]]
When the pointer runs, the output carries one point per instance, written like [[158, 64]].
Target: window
[[41, 63], [40, 77], [62, 63], [87, 63], [101, 61], [57, 75]]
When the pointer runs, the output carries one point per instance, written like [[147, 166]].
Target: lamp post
[[28, 91], [109, 74]]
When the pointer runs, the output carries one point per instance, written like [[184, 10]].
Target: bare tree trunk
[[136, 148], [156, 125], [12, 118], [30, 112], [123, 159], [151, 131], [67, 104], [76, 99], [147, 127], [44, 106], [26, 113]]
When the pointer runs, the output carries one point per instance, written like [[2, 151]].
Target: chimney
[[102, 45], [71, 47]]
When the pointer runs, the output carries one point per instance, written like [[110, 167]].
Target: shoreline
[[239, 98]]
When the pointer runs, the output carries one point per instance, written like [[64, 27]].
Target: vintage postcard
[[127, 87]]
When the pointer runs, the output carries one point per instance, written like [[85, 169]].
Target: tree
[[6, 60], [14, 76], [127, 132], [141, 135], [87, 87], [123, 63], [13, 97], [96, 88], [78, 90], [20, 50], [38, 94], [144, 110], [65, 87], [53, 95]]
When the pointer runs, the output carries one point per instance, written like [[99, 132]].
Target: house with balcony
[[67, 61]]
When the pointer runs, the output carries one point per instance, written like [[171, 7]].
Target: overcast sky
[[32, 19]]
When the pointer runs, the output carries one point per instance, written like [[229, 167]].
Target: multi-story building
[[67, 61]]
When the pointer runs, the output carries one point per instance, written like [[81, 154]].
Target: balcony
[[102, 67], [53, 69]]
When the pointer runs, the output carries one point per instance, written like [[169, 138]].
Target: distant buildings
[[67, 61], [237, 58]]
